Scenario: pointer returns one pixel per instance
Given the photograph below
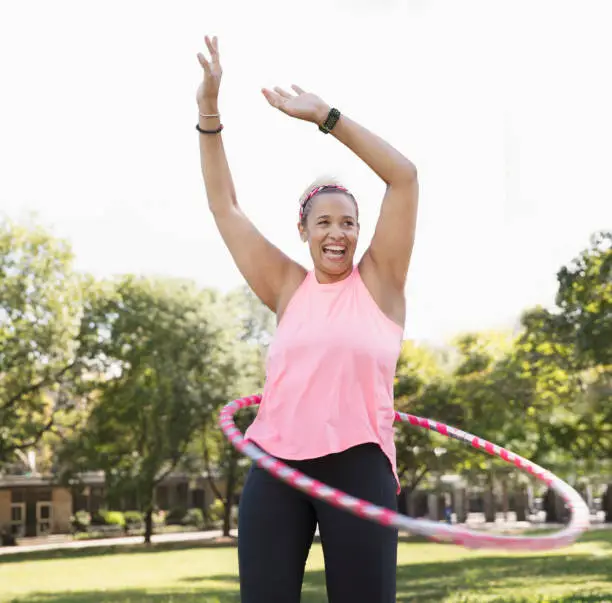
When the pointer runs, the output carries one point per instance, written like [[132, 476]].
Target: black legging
[[277, 524]]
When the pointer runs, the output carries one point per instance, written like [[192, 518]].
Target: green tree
[[584, 299], [40, 308], [480, 389], [568, 351], [558, 355], [422, 388], [584, 324], [161, 358], [251, 326]]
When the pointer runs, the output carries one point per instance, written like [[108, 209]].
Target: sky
[[504, 107]]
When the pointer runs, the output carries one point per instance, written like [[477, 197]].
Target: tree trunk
[[563, 512], [489, 498], [607, 504], [461, 502], [411, 503], [148, 524], [229, 494], [551, 507], [505, 501], [441, 502], [227, 516], [520, 504], [489, 505], [588, 496]]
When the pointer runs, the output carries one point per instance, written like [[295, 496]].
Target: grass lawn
[[190, 573]]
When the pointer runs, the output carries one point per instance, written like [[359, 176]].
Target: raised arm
[[267, 270], [391, 246]]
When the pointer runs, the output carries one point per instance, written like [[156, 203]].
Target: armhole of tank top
[[294, 295], [372, 301]]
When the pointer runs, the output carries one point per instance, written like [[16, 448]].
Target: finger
[[298, 89], [211, 47], [205, 64], [275, 100], [282, 92], [270, 96], [216, 44]]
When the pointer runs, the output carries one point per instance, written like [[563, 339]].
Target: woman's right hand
[[208, 91]]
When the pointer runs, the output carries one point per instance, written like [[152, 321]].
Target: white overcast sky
[[505, 107]]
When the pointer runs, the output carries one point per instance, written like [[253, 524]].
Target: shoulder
[[295, 277], [386, 293]]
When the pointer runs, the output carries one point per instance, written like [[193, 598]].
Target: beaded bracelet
[[201, 131]]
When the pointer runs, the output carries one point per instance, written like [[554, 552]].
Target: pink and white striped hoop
[[437, 531]]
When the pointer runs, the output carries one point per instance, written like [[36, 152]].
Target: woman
[[327, 406]]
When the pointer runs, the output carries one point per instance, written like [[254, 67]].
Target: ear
[[303, 233]]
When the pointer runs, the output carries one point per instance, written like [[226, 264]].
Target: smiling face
[[331, 230]]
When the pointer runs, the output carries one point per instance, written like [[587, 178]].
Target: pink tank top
[[329, 374]]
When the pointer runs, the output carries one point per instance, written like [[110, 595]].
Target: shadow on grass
[[141, 596], [582, 579], [134, 596], [114, 549], [600, 536], [17, 556], [505, 578]]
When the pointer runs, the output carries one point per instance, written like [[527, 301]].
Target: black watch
[[330, 122]]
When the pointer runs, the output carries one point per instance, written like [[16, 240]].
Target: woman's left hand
[[301, 105]]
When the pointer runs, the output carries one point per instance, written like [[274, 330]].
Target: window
[[18, 519], [18, 495], [43, 518]]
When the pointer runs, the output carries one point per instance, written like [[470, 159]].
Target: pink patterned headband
[[317, 189]]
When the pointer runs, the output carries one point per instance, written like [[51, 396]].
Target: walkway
[[27, 545], [66, 542]]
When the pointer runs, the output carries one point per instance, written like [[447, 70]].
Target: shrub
[[108, 518], [194, 517], [175, 516], [134, 520], [80, 521], [97, 519], [185, 517], [7, 539], [216, 510]]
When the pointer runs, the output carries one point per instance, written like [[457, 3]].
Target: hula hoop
[[436, 531]]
